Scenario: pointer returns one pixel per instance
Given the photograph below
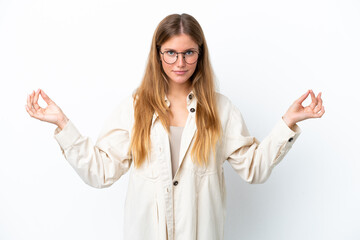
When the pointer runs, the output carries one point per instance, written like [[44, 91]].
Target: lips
[[180, 72]]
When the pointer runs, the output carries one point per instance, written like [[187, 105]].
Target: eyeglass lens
[[171, 56]]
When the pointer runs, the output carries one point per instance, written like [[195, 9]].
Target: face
[[180, 71]]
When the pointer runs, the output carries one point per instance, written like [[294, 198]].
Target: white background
[[89, 54]]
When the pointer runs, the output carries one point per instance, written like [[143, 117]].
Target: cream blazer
[[192, 206]]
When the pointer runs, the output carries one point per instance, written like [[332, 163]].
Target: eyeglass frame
[[177, 54]]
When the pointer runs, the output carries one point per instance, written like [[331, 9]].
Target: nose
[[181, 60]]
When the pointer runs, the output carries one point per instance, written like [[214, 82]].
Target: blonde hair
[[149, 96]]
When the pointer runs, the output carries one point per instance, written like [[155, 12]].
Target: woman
[[177, 131]]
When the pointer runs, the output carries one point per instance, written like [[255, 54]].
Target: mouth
[[180, 72]]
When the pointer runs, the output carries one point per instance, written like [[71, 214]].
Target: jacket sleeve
[[251, 159], [99, 165]]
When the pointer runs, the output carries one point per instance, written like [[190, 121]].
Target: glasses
[[170, 56]]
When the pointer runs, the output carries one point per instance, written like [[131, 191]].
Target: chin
[[180, 80]]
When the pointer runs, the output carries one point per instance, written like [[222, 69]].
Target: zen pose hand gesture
[[52, 113], [297, 112]]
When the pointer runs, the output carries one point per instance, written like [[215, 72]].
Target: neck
[[177, 90]]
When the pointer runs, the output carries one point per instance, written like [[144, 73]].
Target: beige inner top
[[175, 140]]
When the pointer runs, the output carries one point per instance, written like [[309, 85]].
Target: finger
[[318, 114], [29, 104], [321, 113], [30, 111], [45, 97], [28, 101], [36, 98], [303, 97], [313, 100], [31, 100], [33, 113], [32, 108], [320, 96], [319, 105]]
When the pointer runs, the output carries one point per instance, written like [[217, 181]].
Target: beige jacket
[[192, 206]]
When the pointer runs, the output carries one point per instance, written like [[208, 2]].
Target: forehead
[[179, 43]]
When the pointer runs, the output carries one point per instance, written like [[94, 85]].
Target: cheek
[[193, 68], [165, 67]]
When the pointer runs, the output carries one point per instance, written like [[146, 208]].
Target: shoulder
[[122, 113], [224, 104], [228, 111], [221, 98]]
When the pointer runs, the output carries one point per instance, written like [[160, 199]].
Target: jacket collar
[[191, 105]]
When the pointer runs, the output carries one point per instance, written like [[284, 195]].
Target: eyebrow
[[184, 50]]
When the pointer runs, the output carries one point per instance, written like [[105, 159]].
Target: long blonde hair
[[149, 96]]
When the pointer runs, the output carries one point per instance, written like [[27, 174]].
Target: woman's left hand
[[297, 112]]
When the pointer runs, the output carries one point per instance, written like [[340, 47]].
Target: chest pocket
[[192, 165], [211, 167]]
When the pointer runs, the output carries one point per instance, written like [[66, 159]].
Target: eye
[[170, 53], [189, 53]]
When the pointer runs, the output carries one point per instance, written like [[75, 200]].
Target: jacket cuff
[[286, 137], [285, 133], [67, 136]]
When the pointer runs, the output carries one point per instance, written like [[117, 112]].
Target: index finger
[[45, 97], [314, 100], [35, 100], [303, 97]]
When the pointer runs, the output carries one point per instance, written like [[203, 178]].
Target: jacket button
[[176, 183], [192, 109], [190, 96], [291, 139]]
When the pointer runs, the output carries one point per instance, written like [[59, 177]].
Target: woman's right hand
[[51, 113]]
